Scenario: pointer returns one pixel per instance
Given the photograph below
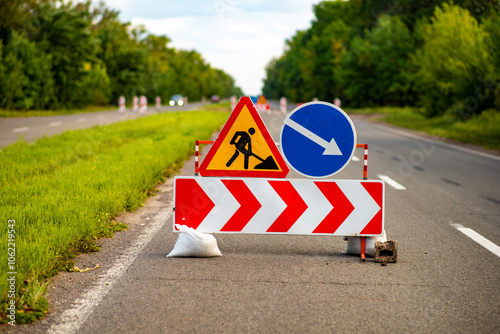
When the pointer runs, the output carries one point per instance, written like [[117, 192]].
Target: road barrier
[[216, 203], [233, 102], [135, 104], [283, 105], [143, 104], [121, 104]]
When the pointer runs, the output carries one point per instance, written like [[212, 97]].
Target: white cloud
[[237, 36]]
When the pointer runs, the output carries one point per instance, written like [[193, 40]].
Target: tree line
[[444, 57], [55, 54]]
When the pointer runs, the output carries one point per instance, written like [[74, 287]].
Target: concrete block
[[387, 251]]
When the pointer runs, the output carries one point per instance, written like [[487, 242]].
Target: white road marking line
[[55, 124], [495, 249], [391, 182], [72, 319], [355, 158], [20, 129], [82, 119]]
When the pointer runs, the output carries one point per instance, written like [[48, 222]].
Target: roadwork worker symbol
[[244, 147], [243, 144]]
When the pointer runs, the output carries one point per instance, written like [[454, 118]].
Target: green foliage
[[309, 66], [64, 191], [96, 85], [64, 35], [453, 63], [444, 57], [483, 130], [60, 55], [376, 66], [26, 78]]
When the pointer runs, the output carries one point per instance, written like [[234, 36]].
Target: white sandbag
[[354, 245], [193, 243]]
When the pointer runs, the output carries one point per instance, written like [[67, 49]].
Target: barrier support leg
[[197, 153], [363, 244]]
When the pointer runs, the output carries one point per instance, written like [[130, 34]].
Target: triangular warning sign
[[244, 147]]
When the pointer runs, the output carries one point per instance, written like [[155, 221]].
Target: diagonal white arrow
[[331, 148], [225, 205]]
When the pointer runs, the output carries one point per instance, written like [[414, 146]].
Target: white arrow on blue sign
[[318, 139]]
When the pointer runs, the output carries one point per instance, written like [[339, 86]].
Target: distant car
[[214, 98], [176, 99]]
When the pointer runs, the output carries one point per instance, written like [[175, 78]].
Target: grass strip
[[63, 192], [482, 130]]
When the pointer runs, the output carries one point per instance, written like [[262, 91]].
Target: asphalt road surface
[[439, 197], [32, 128]]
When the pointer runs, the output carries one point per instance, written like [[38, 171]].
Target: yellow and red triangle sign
[[244, 147]]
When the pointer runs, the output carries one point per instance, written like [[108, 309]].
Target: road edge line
[[73, 318], [492, 247], [437, 141]]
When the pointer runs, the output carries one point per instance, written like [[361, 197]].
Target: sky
[[238, 36]]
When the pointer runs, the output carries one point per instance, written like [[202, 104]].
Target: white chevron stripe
[[225, 204], [318, 207], [272, 206], [365, 207]]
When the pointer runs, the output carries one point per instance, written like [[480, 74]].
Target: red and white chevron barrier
[[143, 104], [283, 105], [121, 104], [233, 102], [135, 104], [285, 206]]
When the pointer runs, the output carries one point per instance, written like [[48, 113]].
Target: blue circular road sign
[[318, 139]]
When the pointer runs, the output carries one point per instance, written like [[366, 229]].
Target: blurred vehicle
[[214, 98], [176, 99]]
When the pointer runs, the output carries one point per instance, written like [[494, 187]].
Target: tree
[[453, 63], [64, 34], [492, 28], [56, 54], [374, 70], [26, 79], [274, 87]]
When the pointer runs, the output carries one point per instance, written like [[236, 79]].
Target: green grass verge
[[482, 130], [62, 193], [218, 106]]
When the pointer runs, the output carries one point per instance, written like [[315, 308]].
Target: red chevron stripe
[[192, 205], [294, 209], [249, 205], [342, 207], [376, 192]]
